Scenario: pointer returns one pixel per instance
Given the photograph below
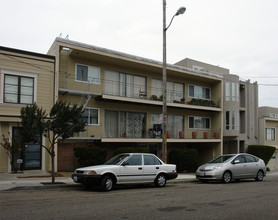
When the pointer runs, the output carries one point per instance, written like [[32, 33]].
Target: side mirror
[[236, 162]]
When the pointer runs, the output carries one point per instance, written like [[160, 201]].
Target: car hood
[[209, 166], [97, 167]]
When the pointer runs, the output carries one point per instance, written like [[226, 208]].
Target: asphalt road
[[183, 200]]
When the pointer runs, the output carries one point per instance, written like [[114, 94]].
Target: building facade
[[122, 96], [26, 78], [240, 107], [268, 130]]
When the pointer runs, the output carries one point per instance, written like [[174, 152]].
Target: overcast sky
[[241, 35]]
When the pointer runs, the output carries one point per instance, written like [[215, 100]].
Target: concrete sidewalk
[[40, 178]]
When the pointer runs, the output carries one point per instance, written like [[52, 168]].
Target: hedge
[[185, 159], [262, 151], [89, 156], [131, 150]]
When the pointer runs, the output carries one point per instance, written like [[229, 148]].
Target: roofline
[[134, 57], [9, 49]]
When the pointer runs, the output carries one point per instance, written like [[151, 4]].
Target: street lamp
[[181, 10]]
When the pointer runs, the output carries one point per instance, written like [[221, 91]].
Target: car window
[[116, 160], [135, 160], [249, 159], [150, 160], [222, 159], [240, 158]]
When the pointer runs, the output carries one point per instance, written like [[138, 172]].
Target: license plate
[[75, 179]]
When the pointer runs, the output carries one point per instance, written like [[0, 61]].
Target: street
[[246, 199]]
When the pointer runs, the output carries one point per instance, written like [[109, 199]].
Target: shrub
[[89, 156], [131, 150], [262, 151], [186, 160]]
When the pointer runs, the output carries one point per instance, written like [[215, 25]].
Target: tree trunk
[[53, 168]]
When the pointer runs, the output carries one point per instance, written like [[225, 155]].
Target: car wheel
[[227, 177], [260, 176], [160, 180], [107, 183]]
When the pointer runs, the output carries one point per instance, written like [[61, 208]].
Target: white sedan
[[127, 168]]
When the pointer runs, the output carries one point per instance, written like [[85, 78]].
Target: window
[[87, 74], [175, 91], [175, 123], [18, 89], [151, 160], [231, 91], [122, 84], [91, 116], [227, 120], [135, 160], [199, 122], [227, 91], [119, 123], [249, 159], [199, 92], [270, 134]]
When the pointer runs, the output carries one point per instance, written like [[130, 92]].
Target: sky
[[240, 35]]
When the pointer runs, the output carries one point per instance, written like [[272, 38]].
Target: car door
[[239, 167], [151, 168], [131, 170], [252, 166]]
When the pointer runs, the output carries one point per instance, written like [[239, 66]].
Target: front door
[[132, 171], [31, 152]]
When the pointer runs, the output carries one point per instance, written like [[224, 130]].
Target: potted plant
[[206, 135], [194, 134], [216, 135], [183, 100], [124, 135], [181, 134], [168, 134], [153, 97]]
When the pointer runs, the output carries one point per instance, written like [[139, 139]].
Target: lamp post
[[181, 10]]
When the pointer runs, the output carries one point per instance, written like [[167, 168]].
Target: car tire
[[227, 177], [107, 183], [260, 176], [160, 180]]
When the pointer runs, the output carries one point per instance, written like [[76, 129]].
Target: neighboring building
[[268, 130], [26, 78], [240, 107], [121, 92]]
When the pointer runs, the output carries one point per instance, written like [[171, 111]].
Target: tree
[[63, 121], [14, 149]]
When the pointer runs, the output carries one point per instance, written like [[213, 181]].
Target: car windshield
[[222, 159], [117, 159]]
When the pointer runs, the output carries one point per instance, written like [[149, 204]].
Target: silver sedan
[[232, 167]]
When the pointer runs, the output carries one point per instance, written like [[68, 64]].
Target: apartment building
[[268, 124], [240, 107], [122, 97], [26, 78]]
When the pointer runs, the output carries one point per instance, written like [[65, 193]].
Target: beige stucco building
[[208, 108], [26, 78], [268, 130], [240, 107], [122, 96]]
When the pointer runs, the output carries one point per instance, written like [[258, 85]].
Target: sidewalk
[[40, 178]]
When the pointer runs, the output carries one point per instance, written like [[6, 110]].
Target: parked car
[[232, 167], [127, 168]]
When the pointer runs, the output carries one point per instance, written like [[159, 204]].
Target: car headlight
[[90, 172], [218, 167]]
